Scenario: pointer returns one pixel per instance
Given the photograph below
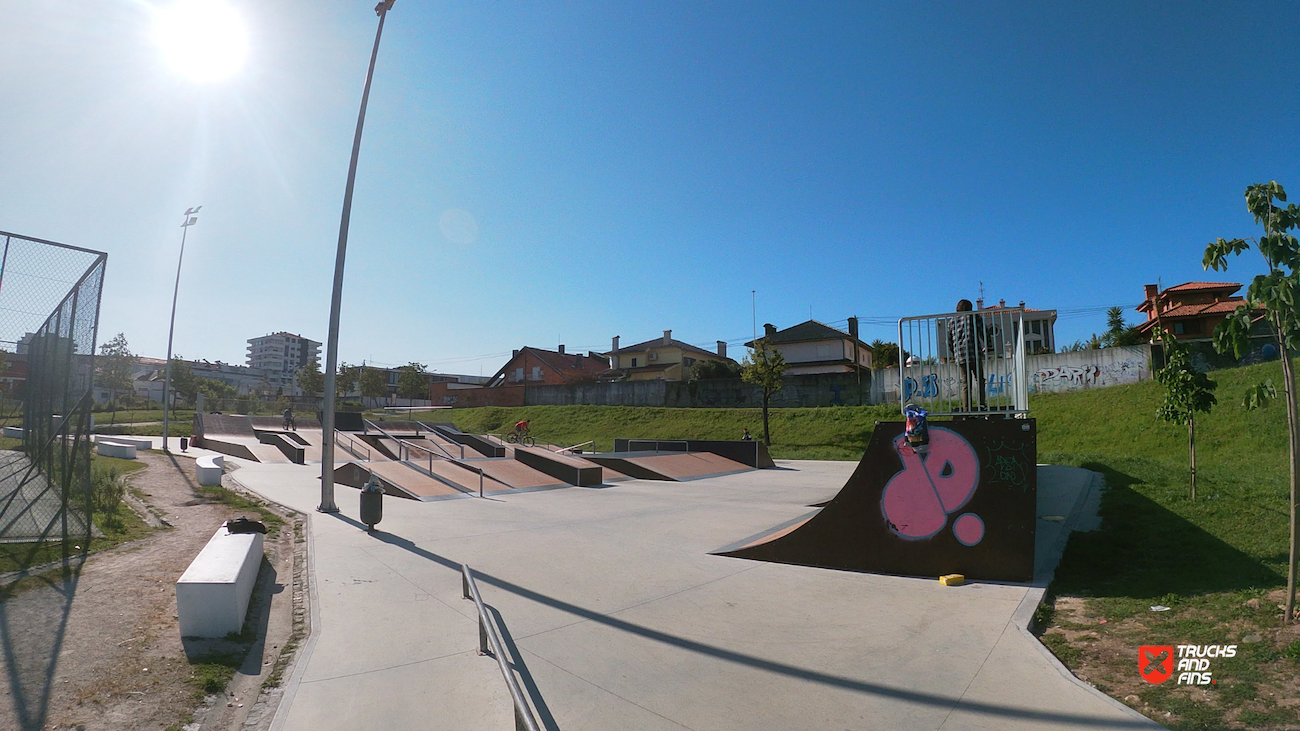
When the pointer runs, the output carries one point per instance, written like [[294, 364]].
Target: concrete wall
[[1047, 373], [1085, 369]]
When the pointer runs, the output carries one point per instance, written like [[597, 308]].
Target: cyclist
[[521, 428]]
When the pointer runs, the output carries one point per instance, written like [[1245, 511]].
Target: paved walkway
[[617, 617]]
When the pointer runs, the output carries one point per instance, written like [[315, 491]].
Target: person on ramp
[[288, 420], [966, 343], [746, 437], [521, 428]]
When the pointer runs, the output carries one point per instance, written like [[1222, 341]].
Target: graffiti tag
[[918, 499]]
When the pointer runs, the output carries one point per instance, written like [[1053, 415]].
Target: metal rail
[[404, 455], [657, 442], [570, 449], [489, 643], [351, 445]]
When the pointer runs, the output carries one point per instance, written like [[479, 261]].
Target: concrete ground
[[616, 616]]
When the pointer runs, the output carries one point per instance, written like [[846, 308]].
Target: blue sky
[[544, 173]]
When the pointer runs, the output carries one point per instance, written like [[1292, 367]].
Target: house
[[1190, 310], [534, 366], [661, 359], [814, 347]]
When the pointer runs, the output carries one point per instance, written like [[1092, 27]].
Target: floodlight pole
[[327, 504], [190, 220]]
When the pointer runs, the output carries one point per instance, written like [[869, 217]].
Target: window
[[519, 375], [537, 373], [824, 350], [634, 362]]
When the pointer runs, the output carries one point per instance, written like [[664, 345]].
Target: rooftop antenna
[[753, 294], [981, 290]]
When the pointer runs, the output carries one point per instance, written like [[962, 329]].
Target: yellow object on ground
[[952, 579]]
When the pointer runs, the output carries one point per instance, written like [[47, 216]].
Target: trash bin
[[372, 503], [185, 443]]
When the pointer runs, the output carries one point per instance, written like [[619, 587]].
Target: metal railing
[[570, 449], [404, 449], [656, 442], [966, 363], [347, 442], [489, 643]]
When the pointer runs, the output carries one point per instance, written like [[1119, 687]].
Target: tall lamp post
[[327, 504], [190, 220]]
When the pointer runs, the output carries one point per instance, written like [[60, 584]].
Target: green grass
[[839, 432], [124, 525], [135, 416], [174, 429]]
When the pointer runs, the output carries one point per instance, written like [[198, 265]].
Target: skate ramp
[[668, 466], [566, 468], [966, 507], [748, 452]]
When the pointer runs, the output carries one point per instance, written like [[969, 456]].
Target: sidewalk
[[617, 617]]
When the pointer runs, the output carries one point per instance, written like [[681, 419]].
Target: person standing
[[966, 343]]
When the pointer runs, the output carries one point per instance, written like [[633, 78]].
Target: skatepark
[[618, 608]]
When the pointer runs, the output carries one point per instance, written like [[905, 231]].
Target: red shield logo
[[1156, 662]]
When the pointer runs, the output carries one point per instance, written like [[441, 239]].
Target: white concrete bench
[[116, 449], [13, 432], [212, 595], [208, 469], [137, 442]]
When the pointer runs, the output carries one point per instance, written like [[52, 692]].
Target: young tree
[[1278, 293], [373, 383], [115, 368], [884, 355], [764, 367], [1187, 391], [310, 379], [412, 382]]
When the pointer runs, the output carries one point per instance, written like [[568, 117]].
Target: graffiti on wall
[[1089, 375], [918, 499]]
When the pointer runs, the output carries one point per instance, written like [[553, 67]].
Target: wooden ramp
[[669, 466]]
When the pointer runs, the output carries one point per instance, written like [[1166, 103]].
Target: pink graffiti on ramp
[[918, 499]]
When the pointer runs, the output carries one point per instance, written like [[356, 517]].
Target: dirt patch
[[98, 646], [1258, 688]]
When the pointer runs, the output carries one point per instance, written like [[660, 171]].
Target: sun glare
[[204, 40]]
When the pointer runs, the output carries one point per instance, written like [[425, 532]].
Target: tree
[[310, 379], [884, 355], [1278, 294], [347, 379], [706, 370], [1187, 391], [764, 367], [412, 381], [373, 383], [1119, 333], [183, 380], [115, 368]]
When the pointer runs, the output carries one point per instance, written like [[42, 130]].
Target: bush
[[106, 492]]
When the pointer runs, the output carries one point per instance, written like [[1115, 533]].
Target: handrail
[[489, 643], [568, 449], [350, 445], [657, 442], [405, 447]]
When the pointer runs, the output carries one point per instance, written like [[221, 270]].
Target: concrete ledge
[[116, 449], [212, 595], [13, 432], [208, 469], [137, 442]]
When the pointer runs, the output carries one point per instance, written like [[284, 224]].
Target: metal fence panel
[[49, 320], [964, 363]]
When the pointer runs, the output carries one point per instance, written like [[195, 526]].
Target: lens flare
[[204, 40]]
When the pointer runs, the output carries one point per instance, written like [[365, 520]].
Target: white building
[[813, 347], [280, 355]]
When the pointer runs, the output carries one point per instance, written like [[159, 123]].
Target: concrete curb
[[1023, 617]]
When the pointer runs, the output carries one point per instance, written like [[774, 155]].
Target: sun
[[204, 40]]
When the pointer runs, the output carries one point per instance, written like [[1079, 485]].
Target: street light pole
[[327, 504], [190, 220]]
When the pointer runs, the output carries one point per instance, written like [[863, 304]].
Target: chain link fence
[[49, 318]]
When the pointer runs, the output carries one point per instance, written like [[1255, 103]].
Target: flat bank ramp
[[567, 468], [669, 466]]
